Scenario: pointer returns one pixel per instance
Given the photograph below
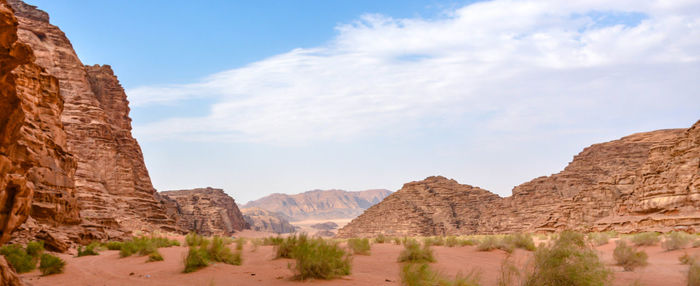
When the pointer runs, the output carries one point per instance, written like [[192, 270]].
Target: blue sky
[[259, 97]]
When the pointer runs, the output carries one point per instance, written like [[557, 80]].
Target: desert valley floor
[[380, 268]]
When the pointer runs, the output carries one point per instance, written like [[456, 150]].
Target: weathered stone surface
[[645, 181], [207, 211], [110, 181], [267, 221], [319, 204]]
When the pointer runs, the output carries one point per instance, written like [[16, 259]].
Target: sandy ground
[[379, 268]]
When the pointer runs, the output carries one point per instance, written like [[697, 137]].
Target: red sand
[[380, 268]]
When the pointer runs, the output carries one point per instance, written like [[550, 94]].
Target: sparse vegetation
[[567, 261], [196, 258], [380, 238], [510, 275], [90, 249], [645, 238], [194, 239], [113, 245], [359, 246], [423, 275], [694, 274], [599, 238], [273, 240], [413, 252], [320, 259], [51, 264], [507, 243], [628, 256], [207, 250], [35, 248], [145, 245], [285, 247], [18, 257], [676, 240], [240, 242], [154, 256], [520, 240], [687, 259]]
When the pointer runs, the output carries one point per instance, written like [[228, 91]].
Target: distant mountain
[[262, 220], [320, 204]]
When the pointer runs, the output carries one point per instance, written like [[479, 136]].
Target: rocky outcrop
[[98, 186], [37, 171], [319, 204], [266, 221], [206, 211], [646, 181]]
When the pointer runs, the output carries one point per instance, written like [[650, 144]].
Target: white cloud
[[513, 65]]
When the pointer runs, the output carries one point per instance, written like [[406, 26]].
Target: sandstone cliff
[[319, 204], [262, 220], [106, 173], [645, 181], [207, 211]]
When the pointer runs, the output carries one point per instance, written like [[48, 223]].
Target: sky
[[260, 97]]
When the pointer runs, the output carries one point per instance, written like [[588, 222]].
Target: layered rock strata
[[206, 211], [107, 175], [266, 221], [646, 181], [320, 204]]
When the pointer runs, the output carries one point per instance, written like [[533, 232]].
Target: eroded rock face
[[266, 221], [320, 204], [207, 211], [642, 182], [110, 180]]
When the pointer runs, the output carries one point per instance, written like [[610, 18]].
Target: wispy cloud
[[509, 65]]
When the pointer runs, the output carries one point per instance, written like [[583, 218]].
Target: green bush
[[240, 242], [423, 275], [220, 252], [284, 248], [197, 258], [194, 239], [144, 245], [113, 245], [397, 241], [273, 240], [413, 252], [35, 248], [154, 256], [687, 259], [694, 274], [645, 238], [435, 240], [599, 238], [317, 258], [676, 240], [519, 240], [506, 244], [380, 238], [359, 246], [51, 264], [18, 258], [466, 241], [567, 261], [90, 249], [628, 256]]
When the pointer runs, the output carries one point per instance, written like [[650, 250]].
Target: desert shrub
[[687, 259], [567, 261], [676, 240], [612, 234], [240, 242], [451, 241], [466, 241], [488, 243], [413, 252], [284, 248], [194, 239], [145, 245], [35, 248], [197, 257], [380, 238], [628, 256], [220, 252], [154, 256], [645, 238], [519, 240], [18, 258], [51, 264], [397, 240], [359, 246], [506, 244], [509, 275], [317, 258], [694, 274], [598, 238], [113, 245], [435, 240], [423, 275], [696, 243], [90, 249], [273, 240]]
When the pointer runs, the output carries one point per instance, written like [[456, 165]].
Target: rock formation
[[207, 211], [319, 204], [266, 221], [70, 167], [646, 181]]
